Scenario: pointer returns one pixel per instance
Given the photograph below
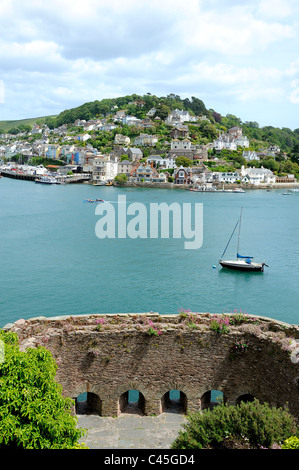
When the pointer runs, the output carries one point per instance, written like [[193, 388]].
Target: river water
[[52, 262]]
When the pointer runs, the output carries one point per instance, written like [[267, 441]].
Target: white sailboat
[[241, 263]]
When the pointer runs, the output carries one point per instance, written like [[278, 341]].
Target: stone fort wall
[[109, 355]]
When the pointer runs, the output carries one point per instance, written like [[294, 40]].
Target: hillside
[[138, 106], [5, 126]]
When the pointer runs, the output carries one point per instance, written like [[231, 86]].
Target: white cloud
[[278, 9], [294, 96], [58, 54]]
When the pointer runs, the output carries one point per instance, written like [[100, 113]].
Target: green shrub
[[291, 443], [253, 424], [33, 412]]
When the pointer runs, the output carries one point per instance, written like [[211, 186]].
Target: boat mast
[[239, 232]]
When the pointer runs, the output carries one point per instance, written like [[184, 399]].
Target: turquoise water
[[52, 262]]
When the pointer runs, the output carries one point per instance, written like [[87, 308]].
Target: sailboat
[[242, 263]]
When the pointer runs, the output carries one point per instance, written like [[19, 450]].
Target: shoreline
[[155, 185], [219, 187]]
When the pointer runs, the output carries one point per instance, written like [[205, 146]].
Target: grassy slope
[[6, 125]]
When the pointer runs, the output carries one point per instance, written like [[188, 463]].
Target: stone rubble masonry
[[107, 355]]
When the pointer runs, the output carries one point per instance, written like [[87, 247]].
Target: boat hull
[[242, 265]]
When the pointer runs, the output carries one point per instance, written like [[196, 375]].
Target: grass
[[7, 125]]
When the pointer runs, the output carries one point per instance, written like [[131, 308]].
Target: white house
[[145, 139], [250, 155], [224, 142], [104, 168], [178, 116], [131, 120], [161, 162], [184, 144], [258, 175], [226, 177], [242, 141], [121, 139], [83, 137]]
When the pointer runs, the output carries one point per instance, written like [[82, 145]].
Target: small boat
[[239, 190], [46, 180], [93, 200], [241, 263]]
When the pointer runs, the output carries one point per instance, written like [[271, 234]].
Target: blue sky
[[240, 57]]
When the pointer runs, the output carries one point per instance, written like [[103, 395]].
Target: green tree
[[271, 164], [33, 412], [162, 111], [121, 178], [184, 161]]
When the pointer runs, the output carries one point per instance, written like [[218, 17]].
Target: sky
[[239, 57]]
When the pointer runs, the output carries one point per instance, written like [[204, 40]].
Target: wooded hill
[[201, 132], [139, 106]]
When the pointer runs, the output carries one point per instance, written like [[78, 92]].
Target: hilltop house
[[231, 140], [131, 120], [146, 139], [134, 153], [83, 137], [184, 144], [250, 155], [224, 142], [178, 117], [179, 130], [121, 139]]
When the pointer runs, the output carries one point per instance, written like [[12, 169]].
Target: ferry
[[46, 180]]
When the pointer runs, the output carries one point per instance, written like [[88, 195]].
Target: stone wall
[[108, 355]]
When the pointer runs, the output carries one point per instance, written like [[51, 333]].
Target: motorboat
[[46, 180]]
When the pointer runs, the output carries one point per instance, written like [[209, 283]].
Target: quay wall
[[107, 355], [247, 186]]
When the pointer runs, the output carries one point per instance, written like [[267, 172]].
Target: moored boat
[[241, 263], [46, 180]]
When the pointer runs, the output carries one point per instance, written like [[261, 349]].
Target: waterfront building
[[125, 167], [104, 168], [182, 175], [147, 173], [258, 175]]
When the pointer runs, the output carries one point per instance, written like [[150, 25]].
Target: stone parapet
[[108, 355]]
